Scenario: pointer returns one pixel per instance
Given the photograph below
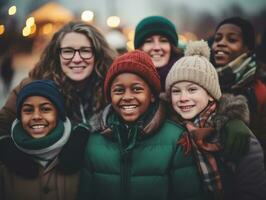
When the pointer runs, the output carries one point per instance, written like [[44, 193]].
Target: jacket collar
[[231, 107], [99, 122]]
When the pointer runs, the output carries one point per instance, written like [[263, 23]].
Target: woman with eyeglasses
[[76, 59]]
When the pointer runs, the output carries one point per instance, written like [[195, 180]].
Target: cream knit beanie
[[195, 67]]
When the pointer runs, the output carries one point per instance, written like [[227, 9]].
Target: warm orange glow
[[2, 29], [47, 29], [130, 45]]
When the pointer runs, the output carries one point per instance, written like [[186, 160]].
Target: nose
[[156, 45], [77, 57], [36, 115], [127, 96], [183, 97], [221, 42]]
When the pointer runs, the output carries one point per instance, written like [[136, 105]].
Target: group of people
[[153, 123]]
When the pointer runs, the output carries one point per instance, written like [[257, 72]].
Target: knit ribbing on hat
[[137, 62], [155, 25], [44, 88], [195, 67]]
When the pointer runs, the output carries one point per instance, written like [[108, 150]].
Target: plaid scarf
[[237, 73], [201, 138]]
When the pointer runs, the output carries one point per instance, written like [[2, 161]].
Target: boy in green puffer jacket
[[133, 151]]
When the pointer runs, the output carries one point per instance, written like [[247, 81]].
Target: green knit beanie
[[155, 25]]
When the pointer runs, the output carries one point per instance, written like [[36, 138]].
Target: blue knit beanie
[[155, 25], [44, 88]]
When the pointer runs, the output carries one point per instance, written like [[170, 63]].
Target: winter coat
[[148, 166], [37, 180], [248, 178], [49, 185], [248, 81]]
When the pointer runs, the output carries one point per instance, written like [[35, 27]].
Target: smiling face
[[228, 44], [189, 99], [77, 68], [130, 96], [159, 49], [38, 116]]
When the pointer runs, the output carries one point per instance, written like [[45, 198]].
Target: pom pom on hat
[[195, 67], [198, 48], [44, 88]]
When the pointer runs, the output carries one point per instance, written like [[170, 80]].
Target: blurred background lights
[[26, 31], [12, 10], [113, 21], [30, 21], [87, 16], [47, 28], [2, 29]]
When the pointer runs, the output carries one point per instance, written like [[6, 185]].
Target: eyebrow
[[190, 84], [42, 104]]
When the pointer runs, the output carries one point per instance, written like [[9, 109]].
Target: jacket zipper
[[124, 174]]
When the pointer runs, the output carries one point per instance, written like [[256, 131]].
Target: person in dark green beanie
[[157, 36], [30, 159]]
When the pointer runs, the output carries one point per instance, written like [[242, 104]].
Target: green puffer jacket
[[154, 167]]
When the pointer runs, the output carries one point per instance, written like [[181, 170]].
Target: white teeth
[[184, 108], [129, 107], [220, 53], [156, 56], [37, 126]]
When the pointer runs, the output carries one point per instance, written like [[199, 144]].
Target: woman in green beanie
[[157, 36]]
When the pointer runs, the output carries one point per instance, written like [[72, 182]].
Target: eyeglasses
[[68, 53]]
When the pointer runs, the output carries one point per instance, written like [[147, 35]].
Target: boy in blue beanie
[[40, 137]]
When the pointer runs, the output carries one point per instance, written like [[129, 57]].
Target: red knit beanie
[[137, 62]]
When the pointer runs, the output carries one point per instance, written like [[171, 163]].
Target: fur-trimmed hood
[[231, 107]]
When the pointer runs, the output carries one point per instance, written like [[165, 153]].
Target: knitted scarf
[[237, 73], [42, 149], [201, 139]]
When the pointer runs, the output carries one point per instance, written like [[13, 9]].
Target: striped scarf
[[242, 71], [201, 139]]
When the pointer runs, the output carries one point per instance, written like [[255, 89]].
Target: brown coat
[[49, 185]]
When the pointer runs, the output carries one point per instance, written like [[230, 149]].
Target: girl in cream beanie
[[214, 125]]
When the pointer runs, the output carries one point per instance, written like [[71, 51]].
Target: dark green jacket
[[154, 168]]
